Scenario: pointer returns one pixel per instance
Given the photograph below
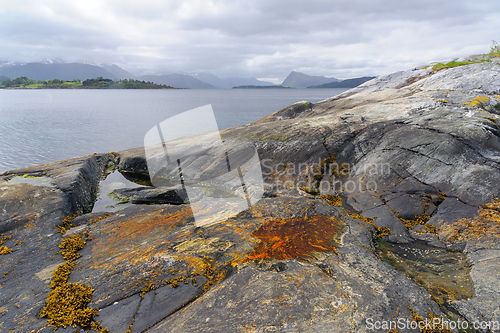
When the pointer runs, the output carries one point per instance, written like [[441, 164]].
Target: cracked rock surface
[[410, 157]]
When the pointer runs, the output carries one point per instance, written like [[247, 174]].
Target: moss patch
[[439, 66]]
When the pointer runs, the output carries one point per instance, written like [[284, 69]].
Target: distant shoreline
[[261, 87], [97, 83]]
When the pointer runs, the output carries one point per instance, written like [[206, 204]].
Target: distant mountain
[[3, 78], [118, 72], [349, 83], [177, 81], [261, 87], [229, 82], [301, 80], [61, 71]]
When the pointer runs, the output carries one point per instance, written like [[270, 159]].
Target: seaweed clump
[[66, 304], [333, 200]]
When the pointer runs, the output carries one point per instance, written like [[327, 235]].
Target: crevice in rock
[[465, 142], [442, 193], [418, 153], [135, 315]]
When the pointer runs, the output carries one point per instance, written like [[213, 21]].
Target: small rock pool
[[444, 274], [105, 201]]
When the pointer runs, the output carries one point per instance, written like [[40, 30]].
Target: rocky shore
[[380, 203]]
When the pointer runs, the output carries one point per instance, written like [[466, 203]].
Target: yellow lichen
[[147, 287], [5, 250], [361, 218], [477, 102], [3, 239], [434, 318], [428, 228], [333, 200], [383, 232], [418, 220]]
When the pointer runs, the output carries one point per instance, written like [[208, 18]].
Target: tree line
[[97, 83]]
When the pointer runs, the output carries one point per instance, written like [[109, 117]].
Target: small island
[[97, 83]]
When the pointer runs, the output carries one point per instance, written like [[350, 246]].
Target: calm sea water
[[42, 126]]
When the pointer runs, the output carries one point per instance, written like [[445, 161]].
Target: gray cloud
[[261, 38]]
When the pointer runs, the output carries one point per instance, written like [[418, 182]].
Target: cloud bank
[[265, 39]]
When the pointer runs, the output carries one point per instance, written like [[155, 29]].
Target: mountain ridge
[[347, 83], [229, 82], [177, 81], [66, 71], [301, 80]]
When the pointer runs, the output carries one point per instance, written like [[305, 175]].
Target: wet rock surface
[[410, 159], [153, 195]]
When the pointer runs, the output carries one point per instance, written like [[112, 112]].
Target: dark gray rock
[[118, 316], [298, 110], [157, 195], [406, 146], [162, 302], [29, 215]]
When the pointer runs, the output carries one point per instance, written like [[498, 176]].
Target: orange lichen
[[97, 219], [295, 238], [131, 232]]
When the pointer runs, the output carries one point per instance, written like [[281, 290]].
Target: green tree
[[495, 49]]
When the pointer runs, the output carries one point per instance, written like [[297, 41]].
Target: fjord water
[[42, 126]]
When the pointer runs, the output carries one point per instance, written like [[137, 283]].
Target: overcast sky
[[261, 38]]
